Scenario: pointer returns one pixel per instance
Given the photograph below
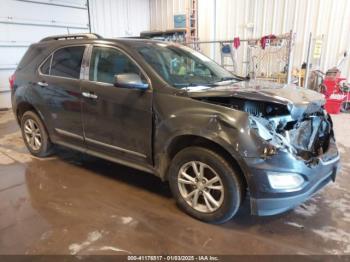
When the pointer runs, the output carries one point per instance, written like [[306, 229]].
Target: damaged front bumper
[[266, 200]]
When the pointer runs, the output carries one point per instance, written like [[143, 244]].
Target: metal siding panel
[[120, 18], [163, 11]]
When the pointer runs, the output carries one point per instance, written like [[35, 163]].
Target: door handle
[[86, 94], [42, 84], [93, 96], [89, 95]]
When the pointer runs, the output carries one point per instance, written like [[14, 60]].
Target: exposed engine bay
[[305, 130]]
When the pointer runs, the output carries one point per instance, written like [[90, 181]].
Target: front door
[[117, 121]]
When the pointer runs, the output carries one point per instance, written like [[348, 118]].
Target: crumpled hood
[[298, 100]]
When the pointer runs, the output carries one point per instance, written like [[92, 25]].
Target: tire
[[228, 200], [30, 121]]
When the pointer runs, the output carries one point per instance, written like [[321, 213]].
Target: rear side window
[[66, 62]]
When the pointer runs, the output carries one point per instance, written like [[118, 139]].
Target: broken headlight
[[258, 125]]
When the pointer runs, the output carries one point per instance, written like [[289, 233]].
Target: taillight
[[12, 81]]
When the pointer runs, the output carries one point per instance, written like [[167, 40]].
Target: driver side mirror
[[130, 80]]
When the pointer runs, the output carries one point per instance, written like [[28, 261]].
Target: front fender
[[215, 130], [176, 116]]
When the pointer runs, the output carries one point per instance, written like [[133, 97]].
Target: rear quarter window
[[45, 68]]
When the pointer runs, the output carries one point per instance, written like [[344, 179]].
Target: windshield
[[182, 67]]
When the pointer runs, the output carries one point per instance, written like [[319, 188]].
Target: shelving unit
[[173, 35]]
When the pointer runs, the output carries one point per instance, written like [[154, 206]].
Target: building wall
[[226, 19], [119, 18], [23, 22], [162, 12]]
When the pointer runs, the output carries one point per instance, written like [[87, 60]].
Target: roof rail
[[71, 37]]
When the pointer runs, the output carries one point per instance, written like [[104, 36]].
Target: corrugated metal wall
[[119, 18], [162, 12], [225, 19]]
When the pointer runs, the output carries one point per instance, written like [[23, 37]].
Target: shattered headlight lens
[[285, 181]]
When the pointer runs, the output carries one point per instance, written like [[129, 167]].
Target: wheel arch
[[24, 107], [182, 141]]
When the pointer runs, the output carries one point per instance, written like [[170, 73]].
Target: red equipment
[[337, 92], [265, 39]]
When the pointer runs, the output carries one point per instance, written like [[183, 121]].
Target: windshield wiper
[[227, 78], [192, 86], [223, 79], [184, 84], [189, 85]]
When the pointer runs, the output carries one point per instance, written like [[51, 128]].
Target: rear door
[[59, 83], [117, 121]]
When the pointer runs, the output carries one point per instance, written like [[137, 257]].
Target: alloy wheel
[[201, 187], [32, 134]]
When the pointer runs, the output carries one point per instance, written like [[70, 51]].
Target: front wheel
[[204, 185]]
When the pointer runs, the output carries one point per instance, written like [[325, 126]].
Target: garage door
[[26, 21]]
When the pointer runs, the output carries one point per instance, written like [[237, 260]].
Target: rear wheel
[[204, 185], [35, 135]]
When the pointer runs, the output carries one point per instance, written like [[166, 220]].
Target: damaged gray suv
[[168, 110]]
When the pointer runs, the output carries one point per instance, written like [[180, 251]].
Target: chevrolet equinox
[[166, 109]]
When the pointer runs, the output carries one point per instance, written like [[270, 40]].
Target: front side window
[[66, 62], [107, 62]]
